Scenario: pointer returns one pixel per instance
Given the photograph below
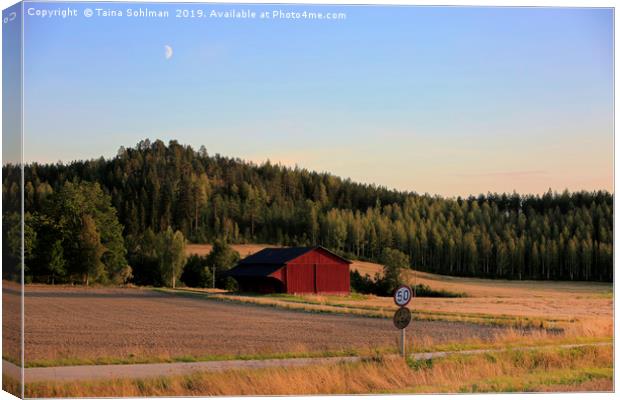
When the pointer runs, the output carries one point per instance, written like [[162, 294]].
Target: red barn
[[293, 270]]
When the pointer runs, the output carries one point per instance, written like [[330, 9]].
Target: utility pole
[[214, 277]]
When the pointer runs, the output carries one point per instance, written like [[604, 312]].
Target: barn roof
[[252, 270], [282, 255], [269, 260]]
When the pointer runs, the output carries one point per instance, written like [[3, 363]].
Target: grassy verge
[[63, 362], [568, 379], [334, 305], [509, 341], [506, 341], [11, 385], [12, 360], [498, 344], [266, 301], [586, 368]]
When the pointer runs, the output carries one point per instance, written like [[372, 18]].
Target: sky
[[11, 86], [440, 100]]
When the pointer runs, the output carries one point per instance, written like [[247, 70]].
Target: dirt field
[[11, 322], [66, 322]]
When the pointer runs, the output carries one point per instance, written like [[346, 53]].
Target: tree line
[[155, 187]]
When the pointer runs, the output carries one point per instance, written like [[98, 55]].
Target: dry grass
[[585, 330], [497, 288], [540, 300], [501, 288], [601, 332], [11, 385], [588, 368], [244, 250], [347, 306], [367, 268], [532, 299], [554, 312], [565, 307]]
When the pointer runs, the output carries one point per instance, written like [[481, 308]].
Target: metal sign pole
[[402, 316], [402, 342]]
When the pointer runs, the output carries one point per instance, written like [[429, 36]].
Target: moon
[[168, 52]]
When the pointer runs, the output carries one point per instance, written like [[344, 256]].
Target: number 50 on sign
[[403, 295]]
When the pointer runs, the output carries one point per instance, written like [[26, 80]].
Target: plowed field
[[70, 322]]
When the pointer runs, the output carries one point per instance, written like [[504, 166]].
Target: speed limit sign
[[403, 295]]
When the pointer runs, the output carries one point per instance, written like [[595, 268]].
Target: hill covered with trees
[[155, 188]]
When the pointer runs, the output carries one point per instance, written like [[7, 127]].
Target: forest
[[153, 196]]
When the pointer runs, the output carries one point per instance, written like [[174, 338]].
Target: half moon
[[168, 52]]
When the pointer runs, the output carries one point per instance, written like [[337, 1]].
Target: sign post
[[403, 335], [402, 316]]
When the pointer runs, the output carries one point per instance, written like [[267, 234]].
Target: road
[[96, 372]]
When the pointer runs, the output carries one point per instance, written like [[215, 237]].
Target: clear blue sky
[[450, 101]]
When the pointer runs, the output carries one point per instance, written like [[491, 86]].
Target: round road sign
[[402, 295], [402, 318]]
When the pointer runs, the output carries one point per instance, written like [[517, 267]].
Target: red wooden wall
[[317, 271]]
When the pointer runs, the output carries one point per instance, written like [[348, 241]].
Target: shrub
[[422, 290], [384, 287], [196, 272]]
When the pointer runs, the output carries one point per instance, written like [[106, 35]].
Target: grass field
[[561, 305], [562, 301]]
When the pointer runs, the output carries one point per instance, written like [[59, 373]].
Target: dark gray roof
[[281, 255], [275, 256], [269, 260], [252, 270]]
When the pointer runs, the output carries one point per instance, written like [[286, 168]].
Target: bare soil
[[11, 321], [88, 323]]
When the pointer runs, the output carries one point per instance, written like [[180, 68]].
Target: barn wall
[[300, 278], [279, 274], [332, 278], [317, 271], [317, 256]]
